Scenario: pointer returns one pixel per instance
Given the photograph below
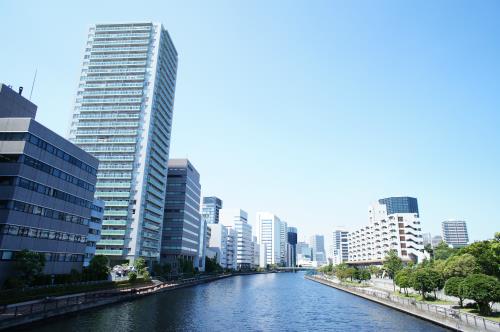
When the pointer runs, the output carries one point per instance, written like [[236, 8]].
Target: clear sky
[[309, 109]]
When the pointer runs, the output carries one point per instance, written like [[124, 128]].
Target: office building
[[94, 234], [318, 249], [269, 237], [47, 189], [237, 219], [304, 254], [398, 231], [291, 247], [340, 246], [218, 243], [210, 209], [123, 117], [283, 242], [182, 219], [454, 233], [202, 243]]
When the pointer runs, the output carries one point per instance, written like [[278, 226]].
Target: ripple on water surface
[[264, 302]]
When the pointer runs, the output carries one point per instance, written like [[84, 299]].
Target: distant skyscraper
[[123, 116], [210, 209], [237, 219], [269, 237], [291, 260], [400, 204], [182, 219], [218, 243], [436, 239], [455, 233], [426, 239], [340, 246], [318, 248], [283, 242]]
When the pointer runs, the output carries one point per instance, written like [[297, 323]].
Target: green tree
[[443, 251], [342, 271], [98, 267], [374, 270], [140, 266], [430, 250], [29, 265], [487, 254], [483, 289], [453, 287], [392, 264], [460, 266], [362, 275], [426, 280], [403, 279], [132, 276]]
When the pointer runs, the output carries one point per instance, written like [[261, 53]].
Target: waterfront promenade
[[450, 318]]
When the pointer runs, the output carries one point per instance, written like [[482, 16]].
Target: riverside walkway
[[442, 315]]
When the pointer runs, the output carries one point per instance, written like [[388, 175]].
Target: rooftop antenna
[[33, 85]]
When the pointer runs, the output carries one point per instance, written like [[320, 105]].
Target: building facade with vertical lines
[[123, 117]]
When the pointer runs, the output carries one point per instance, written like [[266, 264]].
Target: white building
[[304, 254], [269, 238], [384, 232], [218, 243], [123, 117], [454, 233], [340, 246], [237, 219], [318, 249]]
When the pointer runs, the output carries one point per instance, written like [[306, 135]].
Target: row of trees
[[29, 266], [471, 273], [344, 272]]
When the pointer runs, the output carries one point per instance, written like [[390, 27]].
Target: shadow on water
[[264, 302]]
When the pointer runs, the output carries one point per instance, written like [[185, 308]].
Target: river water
[[263, 302]]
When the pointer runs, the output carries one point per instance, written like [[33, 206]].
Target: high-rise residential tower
[[182, 220], [210, 209], [123, 117], [455, 233]]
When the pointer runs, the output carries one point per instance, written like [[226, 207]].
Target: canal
[[263, 302]]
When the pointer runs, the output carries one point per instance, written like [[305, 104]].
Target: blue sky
[[312, 109]]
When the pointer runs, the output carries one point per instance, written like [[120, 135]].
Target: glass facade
[[210, 209], [400, 204], [123, 116]]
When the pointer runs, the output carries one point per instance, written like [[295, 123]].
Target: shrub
[[132, 277]]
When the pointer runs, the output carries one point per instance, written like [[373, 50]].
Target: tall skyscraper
[[283, 242], [123, 116], [340, 246], [210, 209], [47, 190], [291, 260], [237, 219], [218, 243], [182, 220], [454, 233], [269, 238], [318, 248]]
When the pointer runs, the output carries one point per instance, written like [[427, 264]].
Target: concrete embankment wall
[[35, 317], [449, 323]]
